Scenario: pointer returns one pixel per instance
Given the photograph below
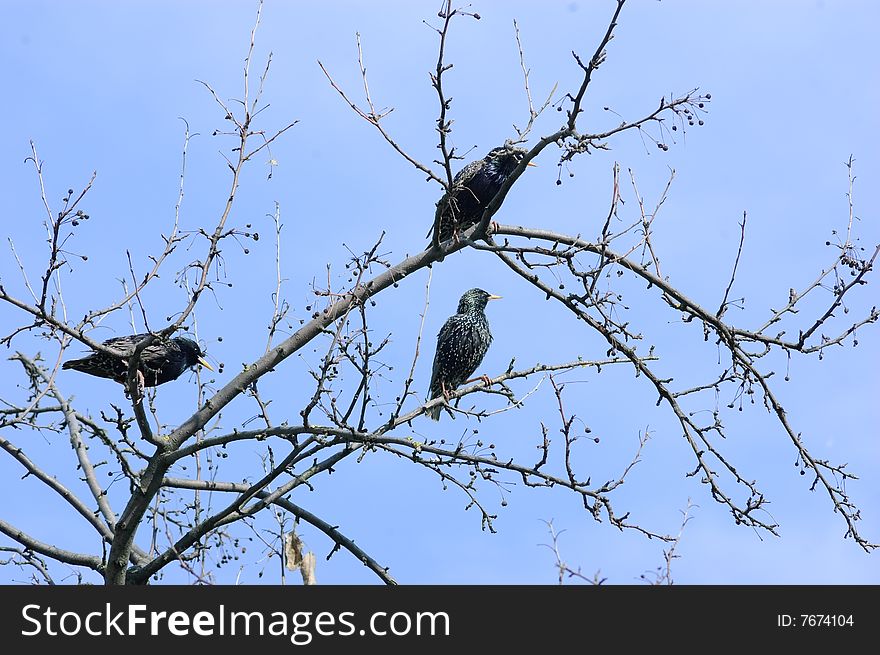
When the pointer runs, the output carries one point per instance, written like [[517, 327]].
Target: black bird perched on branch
[[461, 345], [473, 188], [160, 362]]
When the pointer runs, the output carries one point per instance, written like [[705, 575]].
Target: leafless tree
[[163, 519]]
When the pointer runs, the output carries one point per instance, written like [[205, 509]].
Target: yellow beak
[[491, 297], [531, 164], [205, 364]]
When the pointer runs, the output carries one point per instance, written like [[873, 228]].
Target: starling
[[473, 188], [461, 345], [160, 362]]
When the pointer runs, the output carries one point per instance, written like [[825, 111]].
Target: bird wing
[[127, 344], [441, 205], [443, 335], [151, 357], [446, 202]]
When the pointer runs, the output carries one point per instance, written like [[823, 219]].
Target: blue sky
[[102, 86]]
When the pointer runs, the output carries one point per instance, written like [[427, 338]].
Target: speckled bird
[[461, 345], [473, 189], [160, 362]]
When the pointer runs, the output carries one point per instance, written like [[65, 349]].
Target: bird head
[[475, 300], [504, 159], [193, 353]]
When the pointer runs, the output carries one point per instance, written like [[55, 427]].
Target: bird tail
[[72, 363], [433, 393]]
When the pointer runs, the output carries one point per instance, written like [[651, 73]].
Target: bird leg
[[484, 378], [139, 389], [490, 230], [456, 234]]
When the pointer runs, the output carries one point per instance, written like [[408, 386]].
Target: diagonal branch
[[59, 554], [296, 510]]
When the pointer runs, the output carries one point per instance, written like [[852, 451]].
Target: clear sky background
[[101, 86]]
